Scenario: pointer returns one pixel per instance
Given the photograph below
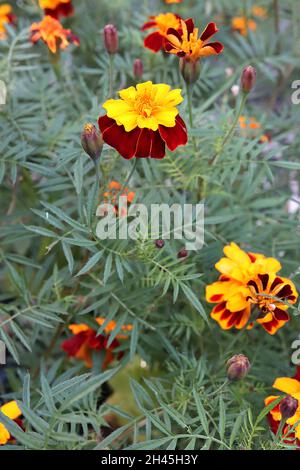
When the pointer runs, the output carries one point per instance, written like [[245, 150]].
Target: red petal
[[174, 136], [264, 280], [217, 46], [65, 9], [149, 144], [116, 136], [72, 345], [148, 25], [297, 376], [277, 281], [281, 315], [284, 292], [154, 42], [143, 144], [209, 31], [190, 25], [158, 149], [175, 33]]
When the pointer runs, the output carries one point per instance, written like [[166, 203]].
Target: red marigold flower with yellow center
[[242, 25], [161, 23], [6, 17], [247, 284], [143, 121], [85, 342], [289, 412], [57, 8], [186, 43], [12, 411], [53, 34]]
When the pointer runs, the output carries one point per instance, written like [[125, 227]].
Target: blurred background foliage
[[165, 392]]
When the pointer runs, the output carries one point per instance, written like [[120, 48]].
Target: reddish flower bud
[[183, 253], [159, 243], [288, 407], [111, 40], [138, 69], [238, 367], [190, 70], [248, 79], [91, 141]]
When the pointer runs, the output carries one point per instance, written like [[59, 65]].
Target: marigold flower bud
[[159, 243], [238, 367], [288, 407], [190, 70], [138, 69], [183, 253], [111, 39], [248, 79], [91, 141]]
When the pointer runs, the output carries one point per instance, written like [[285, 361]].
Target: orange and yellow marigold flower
[[12, 411], [161, 23], [173, 1], [242, 25], [6, 17], [186, 43], [143, 121], [85, 342], [116, 190], [291, 387], [57, 8], [260, 12], [249, 290], [53, 34]]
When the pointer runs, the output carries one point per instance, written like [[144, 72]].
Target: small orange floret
[[242, 25], [6, 17], [53, 34]]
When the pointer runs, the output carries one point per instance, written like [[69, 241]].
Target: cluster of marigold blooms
[[145, 120], [243, 24], [250, 127], [50, 30], [250, 291]]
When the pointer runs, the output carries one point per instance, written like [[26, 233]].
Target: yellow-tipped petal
[[287, 385], [11, 410]]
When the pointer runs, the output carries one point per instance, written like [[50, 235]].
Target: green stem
[[55, 62], [231, 130], [189, 91], [129, 176], [96, 190], [111, 73], [277, 24], [216, 392]]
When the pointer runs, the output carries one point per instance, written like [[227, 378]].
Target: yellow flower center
[[191, 45], [146, 106]]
